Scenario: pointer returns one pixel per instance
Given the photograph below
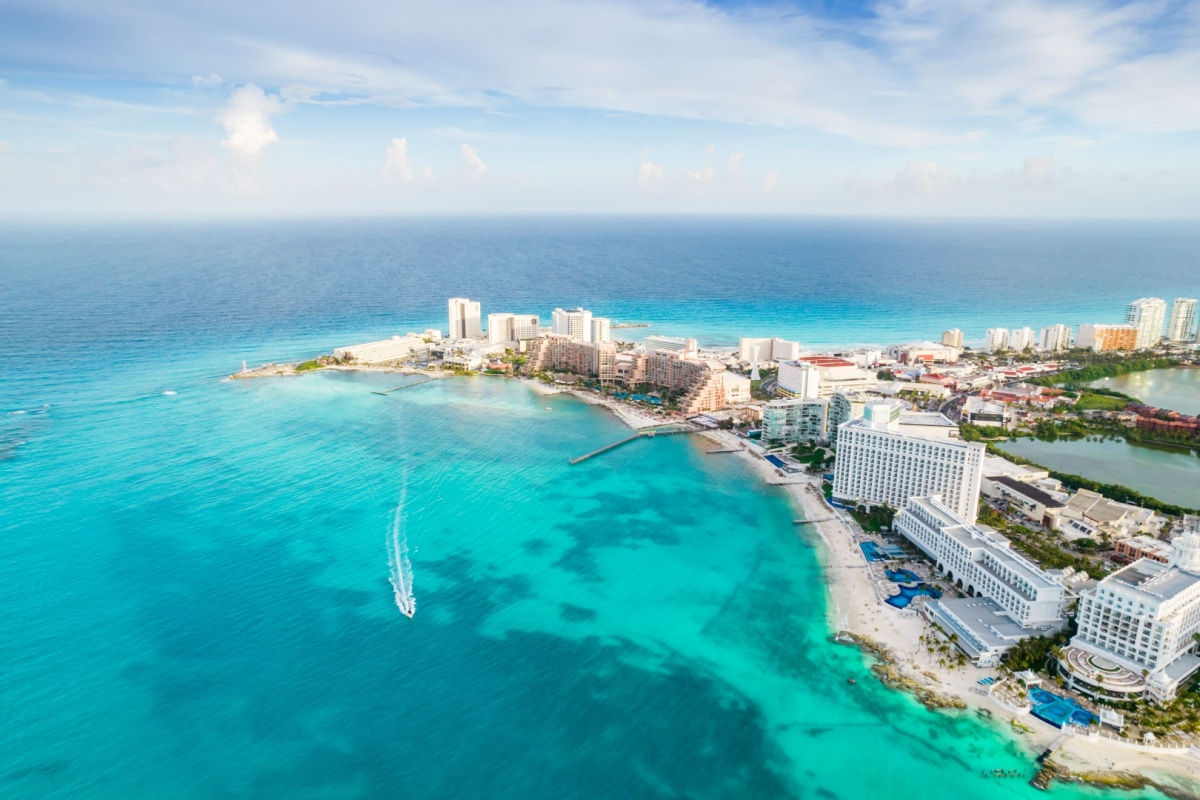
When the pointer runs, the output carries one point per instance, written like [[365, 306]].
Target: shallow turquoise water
[[202, 610], [194, 585]]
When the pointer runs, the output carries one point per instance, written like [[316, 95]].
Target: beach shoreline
[[857, 614]]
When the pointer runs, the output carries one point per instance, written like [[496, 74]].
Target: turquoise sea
[[193, 571]]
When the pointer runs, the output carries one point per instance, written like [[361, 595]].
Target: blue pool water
[[1058, 710], [902, 576], [872, 551], [907, 593]]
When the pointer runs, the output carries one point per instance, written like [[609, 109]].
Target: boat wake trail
[[399, 566]]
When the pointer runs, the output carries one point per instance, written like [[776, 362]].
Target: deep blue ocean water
[[194, 585]]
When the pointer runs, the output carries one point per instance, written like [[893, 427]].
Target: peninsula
[[1062, 608]]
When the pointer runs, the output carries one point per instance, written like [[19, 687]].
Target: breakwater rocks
[[1126, 781], [890, 675]]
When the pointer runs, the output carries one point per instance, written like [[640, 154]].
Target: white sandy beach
[[631, 415], [856, 594]]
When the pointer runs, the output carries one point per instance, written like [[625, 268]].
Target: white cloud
[[924, 178], [1043, 171], [649, 174], [703, 175], [469, 156], [770, 182], [396, 165], [247, 121], [734, 167], [211, 79], [3, 146]]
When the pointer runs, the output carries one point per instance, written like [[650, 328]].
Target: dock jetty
[[386, 392], [646, 434]]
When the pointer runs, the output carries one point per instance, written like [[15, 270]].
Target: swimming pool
[[872, 551], [1058, 711], [902, 576], [907, 593]]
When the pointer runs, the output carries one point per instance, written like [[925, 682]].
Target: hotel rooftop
[[1155, 579]]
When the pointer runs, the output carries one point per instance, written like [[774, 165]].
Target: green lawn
[[1089, 401]]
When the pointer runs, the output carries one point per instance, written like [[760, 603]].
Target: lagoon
[[1177, 389], [1172, 476]]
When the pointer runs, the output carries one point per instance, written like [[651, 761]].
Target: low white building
[[397, 348], [1035, 502], [978, 411], [1011, 597], [684, 348], [1137, 628], [995, 465], [821, 376], [1090, 514], [767, 349]]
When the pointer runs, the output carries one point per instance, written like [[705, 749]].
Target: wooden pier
[[386, 392], [649, 434]]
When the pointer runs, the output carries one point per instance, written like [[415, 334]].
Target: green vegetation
[[878, 519], [1181, 715], [1102, 400], [1104, 366], [817, 458], [1122, 494], [1049, 429], [982, 433], [1042, 548], [305, 366], [1035, 652], [884, 375]]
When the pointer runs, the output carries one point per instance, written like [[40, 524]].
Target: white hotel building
[[505, 328], [890, 455], [1011, 598], [1182, 325], [1147, 314], [464, 319], [1137, 627], [574, 323]]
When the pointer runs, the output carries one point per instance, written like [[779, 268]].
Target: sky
[[1013, 108]]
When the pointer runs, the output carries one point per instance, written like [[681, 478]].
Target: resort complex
[[1009, 598], [1138, 627], [995, 558]]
